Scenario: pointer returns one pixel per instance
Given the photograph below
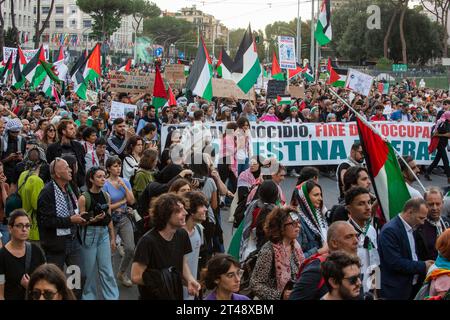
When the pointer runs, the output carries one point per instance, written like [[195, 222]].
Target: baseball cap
[[37, 107]]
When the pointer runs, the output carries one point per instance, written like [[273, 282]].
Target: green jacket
[[29, 194], [141, 179]]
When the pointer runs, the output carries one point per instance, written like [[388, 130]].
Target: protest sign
[[307, 144], [29, 54], [359, 82], [119, 110], [174, 72], [276, 88], [297, 92], [223, 88], [132, 82], [91, 96], [286, 48]]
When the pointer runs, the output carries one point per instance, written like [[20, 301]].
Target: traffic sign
[[158, 52], [399, 67], [181, 55]]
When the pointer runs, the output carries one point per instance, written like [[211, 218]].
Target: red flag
[[172, 100], [159, 90], [292, 73], [60, 54], [334, 76], [275, 66]]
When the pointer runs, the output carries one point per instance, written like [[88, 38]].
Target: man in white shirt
[[359, 205], [408, 176]]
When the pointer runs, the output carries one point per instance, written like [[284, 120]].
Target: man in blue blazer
[[401, 114], [401, 272]]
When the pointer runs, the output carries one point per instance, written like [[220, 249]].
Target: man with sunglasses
[[341, 272]]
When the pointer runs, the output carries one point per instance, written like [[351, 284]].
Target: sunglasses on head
[[48, 295]]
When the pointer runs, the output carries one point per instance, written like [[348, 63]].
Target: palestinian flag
[[200, 77], [384, 171], [323, 32], [52, 77], [33, 71], [186, 66], [284, 100], [6, 70], [337, 77], [18, 79], [308, 73], [159, 91], [172, 101], [246, 67], [383, 88], [224, 65], [277, 74], [89, 71], [126, 67], [293, 72]]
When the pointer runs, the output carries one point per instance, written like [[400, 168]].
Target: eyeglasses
[[293, 223], [353, 280], [237, 274], [22, 226], [48, 295]]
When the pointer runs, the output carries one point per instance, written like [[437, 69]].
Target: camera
[[100, 208]]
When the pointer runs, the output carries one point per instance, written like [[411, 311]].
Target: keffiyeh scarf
[[312, 216], [63, 209], [286, 267]]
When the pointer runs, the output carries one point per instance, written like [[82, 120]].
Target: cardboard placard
[[119, 109], [276, 88], [223, 88], [132, 82], [174, 72], [297, 92]]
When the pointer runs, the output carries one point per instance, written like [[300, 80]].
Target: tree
[[2, 27], [141, 9], [404, 7], [15, 31], [352, 40], [107, 15], [167, 30], [439, 9], [39, 29]]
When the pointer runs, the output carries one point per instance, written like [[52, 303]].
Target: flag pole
[[378, 133]]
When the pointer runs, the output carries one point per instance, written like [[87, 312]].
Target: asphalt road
[[329, 187]]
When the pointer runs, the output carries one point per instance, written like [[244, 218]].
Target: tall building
[[207, 25], [70, 26], [24, 19]]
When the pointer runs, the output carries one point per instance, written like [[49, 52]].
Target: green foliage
[[141, 9], [10, 37], [384, 64], [107, 15], [352, 39]]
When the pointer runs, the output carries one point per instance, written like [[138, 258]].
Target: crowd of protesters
[[77, 186]]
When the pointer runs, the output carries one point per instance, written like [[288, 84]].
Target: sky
[[239, 13]]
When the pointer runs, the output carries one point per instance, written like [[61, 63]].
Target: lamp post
[[299, 36]]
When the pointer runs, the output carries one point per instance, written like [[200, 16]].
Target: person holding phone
[[97, 237]]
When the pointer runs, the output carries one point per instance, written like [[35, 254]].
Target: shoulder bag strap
[[27, 257]]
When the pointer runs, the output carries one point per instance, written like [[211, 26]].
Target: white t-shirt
[[368, 257], [196, 242]]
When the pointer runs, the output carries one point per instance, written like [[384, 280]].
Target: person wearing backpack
[[133, 151], [30, 186], [97, 238], [18, 258], [310, 284], [143, 176]]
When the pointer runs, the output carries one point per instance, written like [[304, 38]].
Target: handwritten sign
[[119, 109], [297, 92], [132, 82], [276, 88], [223, 88], [359, 82]]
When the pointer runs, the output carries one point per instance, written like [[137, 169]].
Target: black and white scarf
[[64, 209]]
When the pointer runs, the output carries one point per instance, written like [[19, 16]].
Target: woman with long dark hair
[[48, 282], [134, 149]]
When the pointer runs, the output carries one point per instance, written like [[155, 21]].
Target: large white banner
[[322, 144], [29, 54], [286, 49]]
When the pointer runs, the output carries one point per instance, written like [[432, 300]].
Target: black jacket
[[55, 150], [425, 237], [48, 222]]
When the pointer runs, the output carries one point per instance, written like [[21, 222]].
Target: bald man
[[342, 236]]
